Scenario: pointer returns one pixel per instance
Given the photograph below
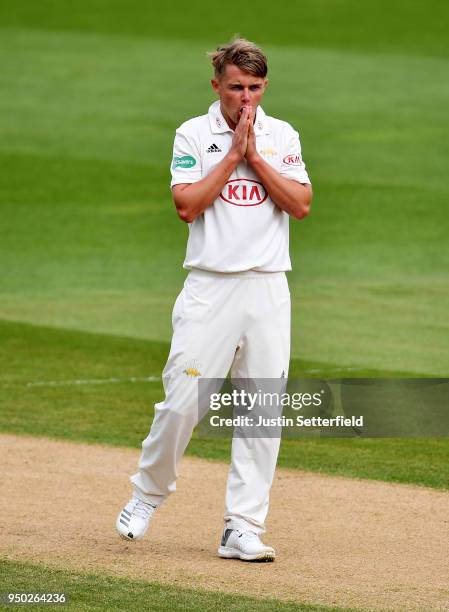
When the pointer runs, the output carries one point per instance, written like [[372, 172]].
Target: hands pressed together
[[244, 139]]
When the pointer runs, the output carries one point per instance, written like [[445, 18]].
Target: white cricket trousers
[[221, 322]]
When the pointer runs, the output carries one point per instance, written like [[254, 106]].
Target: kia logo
[[292, 160], [244, 192]]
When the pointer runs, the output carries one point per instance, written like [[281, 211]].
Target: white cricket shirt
[[243, 229]]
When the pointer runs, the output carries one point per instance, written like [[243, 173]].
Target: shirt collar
[[218, 123]]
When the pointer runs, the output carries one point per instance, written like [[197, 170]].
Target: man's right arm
[[192, 199]]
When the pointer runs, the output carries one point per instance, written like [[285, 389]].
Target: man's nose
[[245, 96]]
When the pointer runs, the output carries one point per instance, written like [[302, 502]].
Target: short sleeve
[[186, 163], [292, 164]]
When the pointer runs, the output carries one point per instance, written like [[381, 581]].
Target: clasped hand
[[244, 140]]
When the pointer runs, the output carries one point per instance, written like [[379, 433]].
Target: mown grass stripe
[[88, 591], [374, 26]]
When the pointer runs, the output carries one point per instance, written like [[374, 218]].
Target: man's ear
[[215, 85]]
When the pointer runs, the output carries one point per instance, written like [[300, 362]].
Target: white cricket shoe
[[244, 545], [133, 520]]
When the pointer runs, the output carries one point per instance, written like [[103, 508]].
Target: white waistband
[[244, 274]]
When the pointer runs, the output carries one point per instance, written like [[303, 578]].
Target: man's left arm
[[288, 194]]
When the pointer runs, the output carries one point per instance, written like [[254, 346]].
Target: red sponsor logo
[[244, 192], [293, 160]]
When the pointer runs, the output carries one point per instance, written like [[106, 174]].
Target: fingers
[[244, 115], [242, 130], [247, 120]]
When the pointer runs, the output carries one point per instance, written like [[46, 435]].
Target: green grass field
[[90, 239], [91, 249]]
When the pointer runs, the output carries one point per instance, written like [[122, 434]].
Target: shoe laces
[[141, 508]]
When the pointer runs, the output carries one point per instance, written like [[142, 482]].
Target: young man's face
[[237, 89]]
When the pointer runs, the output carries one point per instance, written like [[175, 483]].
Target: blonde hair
[[242, 53]]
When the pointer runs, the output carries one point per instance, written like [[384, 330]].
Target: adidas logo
[[213, 149]]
